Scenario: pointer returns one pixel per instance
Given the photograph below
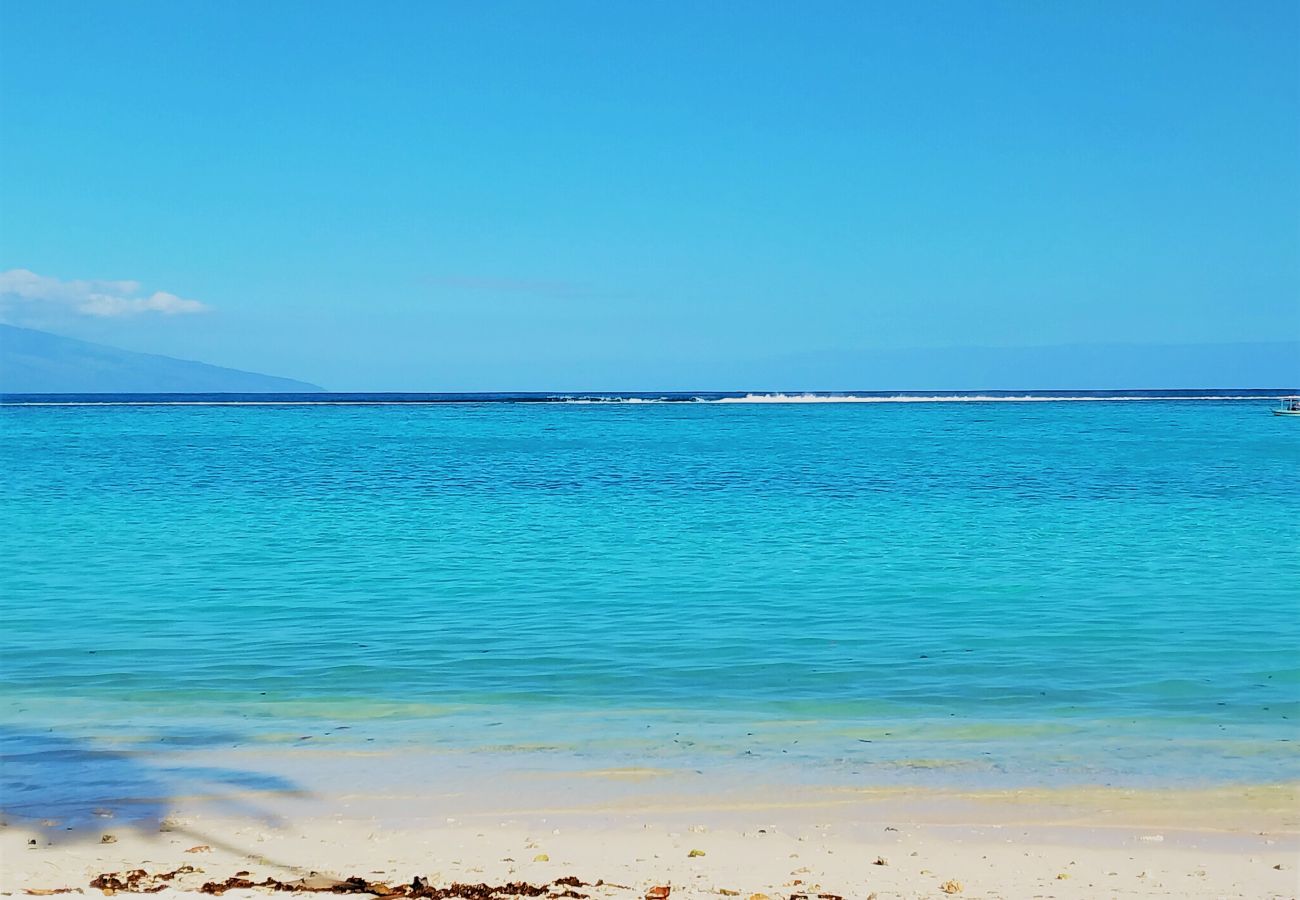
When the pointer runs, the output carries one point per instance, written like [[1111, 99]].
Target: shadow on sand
[[74, 788]]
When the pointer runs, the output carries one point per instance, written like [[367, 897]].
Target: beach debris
[[727, 892], [542, 857], [659, 892], [951, 887], [49, 892], [1280, 867], [1062, 876], [695, 853], [108, 839], [315, 881], [1152, 838], [137, 881], [357, 885], [201, 848], [880, 861], [759, 897]]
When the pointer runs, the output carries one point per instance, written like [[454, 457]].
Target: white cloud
[[25, 295]]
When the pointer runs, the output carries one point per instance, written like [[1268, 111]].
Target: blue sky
[[418, 195]]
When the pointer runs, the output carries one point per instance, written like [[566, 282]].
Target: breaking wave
[[754, 397], [964, 398]]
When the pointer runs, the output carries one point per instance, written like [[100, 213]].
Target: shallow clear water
[[1002, 593]]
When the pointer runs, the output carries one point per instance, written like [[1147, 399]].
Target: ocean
[[966, 590]]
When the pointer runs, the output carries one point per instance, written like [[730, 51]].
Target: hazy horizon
[[33, 361]]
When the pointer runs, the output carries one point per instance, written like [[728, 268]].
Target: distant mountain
[[37, 362], [1262, 364]]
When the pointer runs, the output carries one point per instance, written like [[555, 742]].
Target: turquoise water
[[975, 593]]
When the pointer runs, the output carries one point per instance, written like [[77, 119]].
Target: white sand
[[775, 842]]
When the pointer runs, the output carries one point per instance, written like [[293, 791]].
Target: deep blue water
[[986, 592]]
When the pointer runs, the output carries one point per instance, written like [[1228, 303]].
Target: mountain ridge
[[39, 362]]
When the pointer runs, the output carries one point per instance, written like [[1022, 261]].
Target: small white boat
[[1288, 406]]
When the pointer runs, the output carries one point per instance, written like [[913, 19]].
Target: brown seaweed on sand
[[138, 881], [418, 888]]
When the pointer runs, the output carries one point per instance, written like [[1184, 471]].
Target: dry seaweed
[[138, 881]]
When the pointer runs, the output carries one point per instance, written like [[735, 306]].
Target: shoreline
[[770, 840]]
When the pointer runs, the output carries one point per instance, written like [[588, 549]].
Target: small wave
[[958, 398], [906, 398], [669, 398]]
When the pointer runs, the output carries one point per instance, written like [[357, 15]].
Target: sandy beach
[[649, 451], [621, 834]]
